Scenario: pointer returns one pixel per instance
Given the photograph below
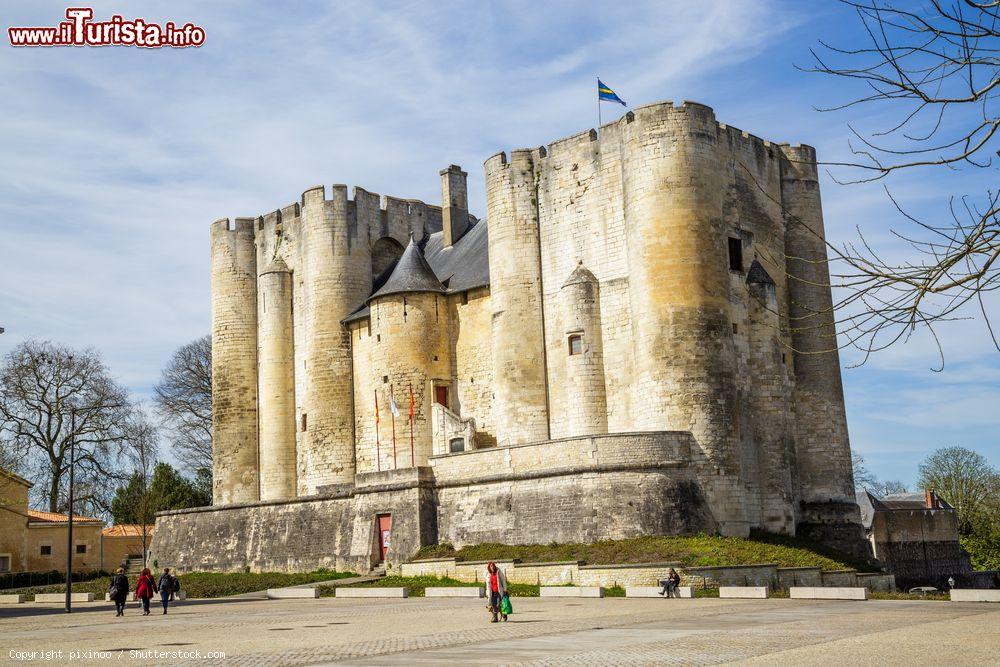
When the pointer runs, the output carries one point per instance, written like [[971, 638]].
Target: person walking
[[166, 586], [118, 591], [496, 588], [145, 588]]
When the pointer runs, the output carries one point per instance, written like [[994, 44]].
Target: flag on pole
[[392, 404], [376, 413], [605, 94]]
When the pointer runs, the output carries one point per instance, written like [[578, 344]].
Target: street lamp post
[[69, 532]]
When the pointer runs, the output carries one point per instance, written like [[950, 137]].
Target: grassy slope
[[689, 550], [206, 584]]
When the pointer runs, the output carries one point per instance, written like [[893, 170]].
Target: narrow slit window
[[735, 255], [575, 344], [305, 422]]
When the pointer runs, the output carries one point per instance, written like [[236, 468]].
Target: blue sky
[[115, 160]]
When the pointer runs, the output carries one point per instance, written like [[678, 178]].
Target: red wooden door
[[384, 529], [441, 395]]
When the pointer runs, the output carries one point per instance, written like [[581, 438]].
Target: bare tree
[[40, 383], [142, 457], [892, 486], [863, 477], [937, 65], [184, 400]]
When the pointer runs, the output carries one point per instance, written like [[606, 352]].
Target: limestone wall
[[13, 521], [472, 360], [335, 530], [574, 490]]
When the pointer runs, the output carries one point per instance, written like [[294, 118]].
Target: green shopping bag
[[505, 606]]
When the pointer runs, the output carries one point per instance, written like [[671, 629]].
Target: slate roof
[[463, 266], [756, 274], [412, 273], [869, 503]]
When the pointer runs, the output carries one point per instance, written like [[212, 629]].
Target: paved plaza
[[541, 632]]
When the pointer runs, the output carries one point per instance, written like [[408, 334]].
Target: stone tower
[[520, 400], [234, 362], [823, 452], [336, 268], [673, 189]]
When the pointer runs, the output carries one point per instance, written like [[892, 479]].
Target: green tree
[[139, 501], [969, 483], [966, 480]]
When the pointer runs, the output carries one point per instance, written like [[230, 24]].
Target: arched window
[[576, 344]]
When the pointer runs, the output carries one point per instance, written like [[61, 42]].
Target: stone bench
[[455, 592], [372, 592], [975, 595], [754, 592], [827, 593], [292, 593], [571, 592], [61, 597], [11, 599], [179, 595], [654, 592]]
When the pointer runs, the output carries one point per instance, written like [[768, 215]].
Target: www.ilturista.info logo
[[79, 30]]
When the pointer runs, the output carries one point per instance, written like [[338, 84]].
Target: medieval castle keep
[[635, 340]]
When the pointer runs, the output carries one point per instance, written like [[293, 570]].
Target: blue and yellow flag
[[605, 94]]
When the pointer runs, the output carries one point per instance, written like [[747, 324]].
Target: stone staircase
[[133, 565]]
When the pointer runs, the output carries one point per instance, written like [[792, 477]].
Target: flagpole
[[378, 449], [392, 401], [598, 104]]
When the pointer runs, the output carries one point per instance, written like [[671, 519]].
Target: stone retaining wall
[[648, 574]]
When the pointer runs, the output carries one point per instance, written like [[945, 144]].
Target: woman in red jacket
[[145, 589]]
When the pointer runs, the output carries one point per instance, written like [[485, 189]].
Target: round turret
[[276, 392], [411, 352]]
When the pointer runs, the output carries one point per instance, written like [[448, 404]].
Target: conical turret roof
[[756, 274], [412, 274], [580, 275]]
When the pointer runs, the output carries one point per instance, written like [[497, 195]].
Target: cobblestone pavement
[[541, 632]]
